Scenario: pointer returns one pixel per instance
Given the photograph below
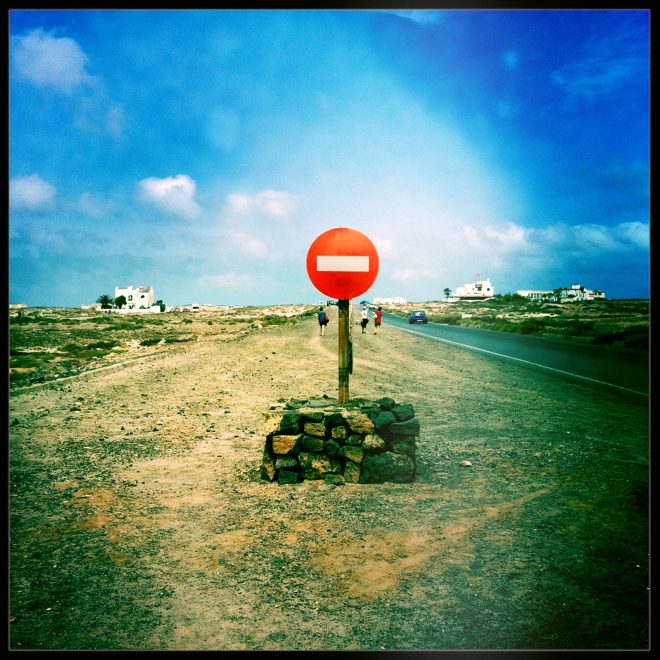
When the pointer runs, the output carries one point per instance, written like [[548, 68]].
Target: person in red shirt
[[378, 319]]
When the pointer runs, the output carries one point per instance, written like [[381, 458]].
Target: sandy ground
[[488, 556]]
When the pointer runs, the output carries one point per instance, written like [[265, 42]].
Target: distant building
[[535, 294], [573, 294], [397, 300], [479, 290], [140, 298], [576, 293], [17, 306]]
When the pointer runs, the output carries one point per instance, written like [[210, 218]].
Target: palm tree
[[447, 293], [105, 301]]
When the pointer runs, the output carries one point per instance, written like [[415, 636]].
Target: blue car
[[417, 317]]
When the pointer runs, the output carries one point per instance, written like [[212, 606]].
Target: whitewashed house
[[479, 290], [141, 297], [578, 292], [535, 294]]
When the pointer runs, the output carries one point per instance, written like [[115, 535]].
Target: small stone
[[466, 464]]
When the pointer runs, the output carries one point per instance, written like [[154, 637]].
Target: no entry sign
[[342, 263]]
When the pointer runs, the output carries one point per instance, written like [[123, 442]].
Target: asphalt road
[[621, 369]]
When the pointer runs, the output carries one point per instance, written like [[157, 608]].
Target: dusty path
[[164, 492]]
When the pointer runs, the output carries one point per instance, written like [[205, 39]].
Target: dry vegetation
[[607, 322], [54, 343], [138, 519]]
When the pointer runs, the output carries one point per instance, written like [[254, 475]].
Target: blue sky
[[203, 151]]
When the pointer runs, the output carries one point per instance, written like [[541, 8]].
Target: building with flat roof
[[535, 294], [479, 290], [141, 297]]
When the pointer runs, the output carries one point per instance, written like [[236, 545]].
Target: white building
[[577, 292], [535, 294], [572, 294], [140, 298], [398, 300], [479, 290]]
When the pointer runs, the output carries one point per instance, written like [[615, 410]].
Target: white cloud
[[273, 203], [50, 62], [173, 194], [509, 236], [591, 238], [30, 192], [386, 248], [636, 234], [559, 238], [92, 205], [511, 255], [247, 244], [60, 65], [595, 237], [405, 275], [602, 69]]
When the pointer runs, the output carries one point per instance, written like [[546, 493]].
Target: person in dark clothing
[[323, 320]]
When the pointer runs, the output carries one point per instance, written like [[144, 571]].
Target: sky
[[201, 152]]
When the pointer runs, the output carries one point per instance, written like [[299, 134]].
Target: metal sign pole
[[345, 366]]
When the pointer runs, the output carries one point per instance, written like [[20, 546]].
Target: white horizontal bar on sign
[[339, 263]]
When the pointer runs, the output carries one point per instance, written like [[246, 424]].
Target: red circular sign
[[342, 263]]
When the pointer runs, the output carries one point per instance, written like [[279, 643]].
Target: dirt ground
[[139, 520]]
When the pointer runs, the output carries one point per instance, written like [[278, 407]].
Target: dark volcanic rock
[[387, 466]]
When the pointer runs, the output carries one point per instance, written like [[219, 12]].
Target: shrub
[[150, 341], [71, 348], [449, 319], [530, 326], [27, 360], [102, 345], [273, 319]]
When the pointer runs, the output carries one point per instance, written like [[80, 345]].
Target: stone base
[[362, 441]]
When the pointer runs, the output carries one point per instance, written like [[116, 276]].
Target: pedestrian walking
[[324, 319], [378, 319], [365, 319]]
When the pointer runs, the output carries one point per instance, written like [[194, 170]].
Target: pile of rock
[[361, 441]]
